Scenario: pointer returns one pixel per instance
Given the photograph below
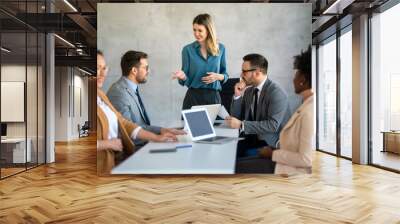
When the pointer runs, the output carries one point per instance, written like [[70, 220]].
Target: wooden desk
[[391, 141]]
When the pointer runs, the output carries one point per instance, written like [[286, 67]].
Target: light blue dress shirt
[[196, 67], [131, 85]]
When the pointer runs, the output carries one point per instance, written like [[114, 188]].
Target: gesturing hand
[[179, 75]]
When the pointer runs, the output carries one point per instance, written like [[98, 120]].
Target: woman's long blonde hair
[[211, 40]]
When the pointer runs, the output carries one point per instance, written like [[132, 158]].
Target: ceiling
[[77, 26], [76, 21]]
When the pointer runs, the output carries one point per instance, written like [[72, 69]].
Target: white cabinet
[[15, 148]]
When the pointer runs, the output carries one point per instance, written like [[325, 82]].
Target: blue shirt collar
[[133, 86], [196, 44]]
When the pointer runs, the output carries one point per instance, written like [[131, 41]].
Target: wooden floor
[[387, 159], [70, 192], [5, 172]]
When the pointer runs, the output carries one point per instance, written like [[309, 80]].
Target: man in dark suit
[[125, 95], [259, 107]]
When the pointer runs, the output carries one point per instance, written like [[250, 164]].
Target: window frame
[[334, 37]]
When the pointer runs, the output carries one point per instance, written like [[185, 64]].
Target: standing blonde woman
[[203, 65]]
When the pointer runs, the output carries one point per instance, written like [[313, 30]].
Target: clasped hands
[[265, 152], [233, 122], [209, 78]]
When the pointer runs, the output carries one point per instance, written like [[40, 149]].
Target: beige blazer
[[296, 150], [106, 158]]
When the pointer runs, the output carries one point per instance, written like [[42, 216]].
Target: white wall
[[34, 125], [70, 84], [277, 31], [16, 73], [61, 103], [12, 73], [80, 110]]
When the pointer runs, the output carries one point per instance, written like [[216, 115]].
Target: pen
[[183, 146]]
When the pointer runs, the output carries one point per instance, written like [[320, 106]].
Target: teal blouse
[[196, 67]]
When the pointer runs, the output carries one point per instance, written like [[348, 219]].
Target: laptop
[[200, 128], [212, 110]]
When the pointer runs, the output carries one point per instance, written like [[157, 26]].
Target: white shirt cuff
[[135, 132], [236, 97], [242, 126], [278, 144]]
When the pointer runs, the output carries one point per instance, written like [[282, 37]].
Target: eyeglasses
[[249, 70], [147, 68]]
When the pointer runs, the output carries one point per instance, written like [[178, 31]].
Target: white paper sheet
[[223, 113]]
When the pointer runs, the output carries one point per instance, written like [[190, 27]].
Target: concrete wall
[[277, 31]]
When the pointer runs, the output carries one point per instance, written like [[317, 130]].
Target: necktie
[[146, 118], [255, 104]]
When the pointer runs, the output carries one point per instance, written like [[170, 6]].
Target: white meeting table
[[199, 159]]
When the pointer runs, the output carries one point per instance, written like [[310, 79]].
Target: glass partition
[[13, 103], [22, 77], [32, 98], [327, 96], [346, 93], [385, 89]]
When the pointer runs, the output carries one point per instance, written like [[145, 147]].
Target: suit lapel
[[101, 116], [103, 96], [263, 93], [292, 119], [134, 97], [248, 102], [126, 87], [298, 112], [264, 90], [103, 123]]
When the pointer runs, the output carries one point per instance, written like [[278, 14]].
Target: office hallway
[[70, 192]]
